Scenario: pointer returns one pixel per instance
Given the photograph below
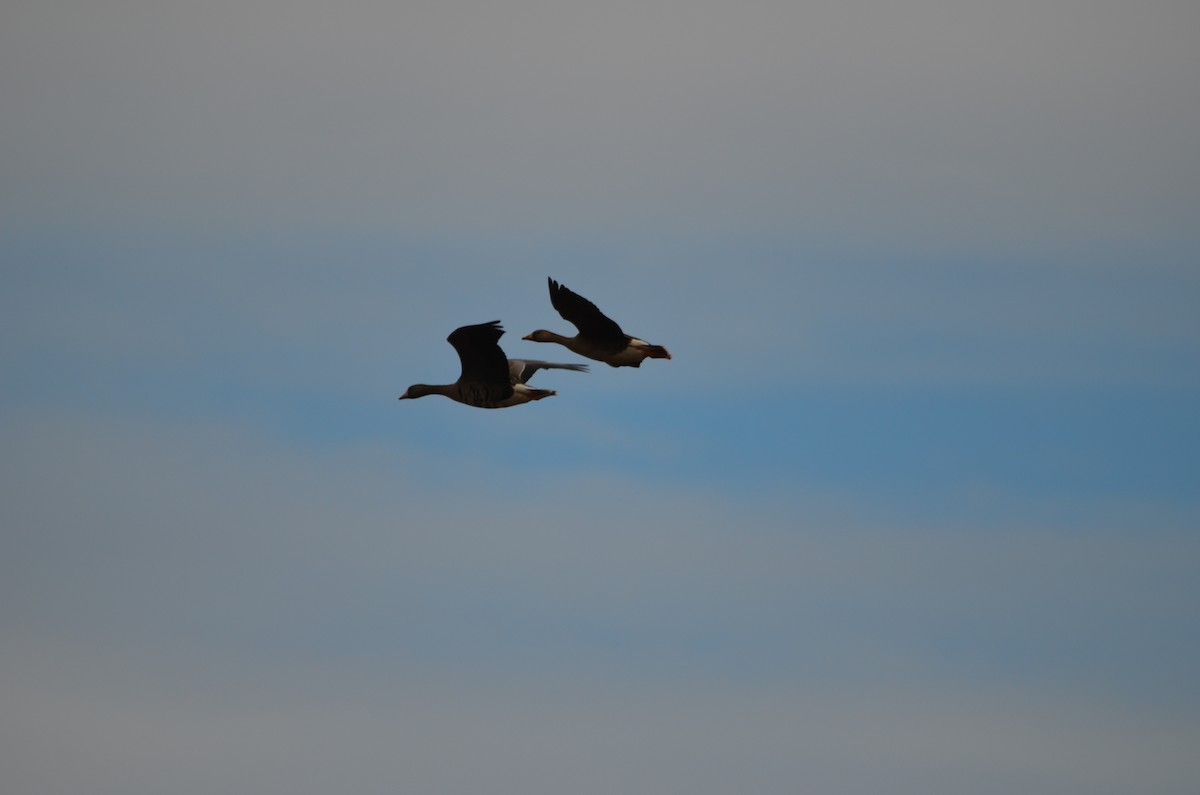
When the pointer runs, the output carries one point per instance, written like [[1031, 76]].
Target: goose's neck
[[421, 390], [542, 335]]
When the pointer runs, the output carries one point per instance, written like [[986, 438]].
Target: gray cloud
[[214, 608], [1031, 125], [593, 738]]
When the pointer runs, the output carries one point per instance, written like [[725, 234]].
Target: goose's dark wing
[[482, 360], [583, 314]]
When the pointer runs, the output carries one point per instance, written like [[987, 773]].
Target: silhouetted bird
[[489, 380], [599, 337]]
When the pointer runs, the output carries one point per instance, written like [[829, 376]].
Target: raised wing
[[583, 314], [482, 360]]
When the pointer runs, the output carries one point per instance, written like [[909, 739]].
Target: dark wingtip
[[466, 332]]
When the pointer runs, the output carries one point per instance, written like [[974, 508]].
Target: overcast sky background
[[914, 509]]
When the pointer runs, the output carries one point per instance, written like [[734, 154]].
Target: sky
[[915, 507]]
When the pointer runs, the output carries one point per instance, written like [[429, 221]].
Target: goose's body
[[482, 396], [489, 380], [599, 336]]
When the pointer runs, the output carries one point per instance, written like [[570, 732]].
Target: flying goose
[[599, 337], [489, 380]]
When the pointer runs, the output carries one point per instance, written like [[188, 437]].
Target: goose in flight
[[489, 380], [599, 336]]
